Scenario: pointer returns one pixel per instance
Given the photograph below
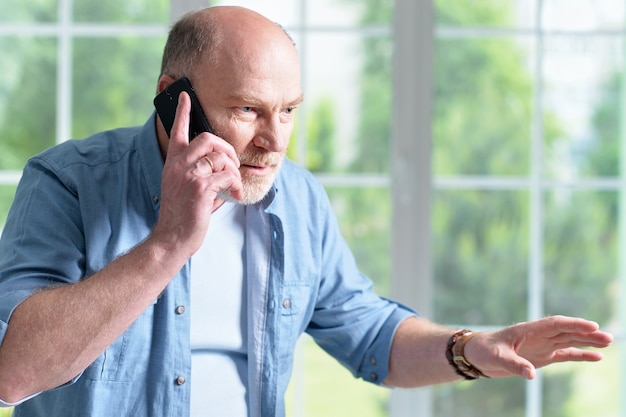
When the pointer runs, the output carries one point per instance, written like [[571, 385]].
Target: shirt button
[[373, 361], [180, 380], [180, 310], [287, 303], [374, 376]]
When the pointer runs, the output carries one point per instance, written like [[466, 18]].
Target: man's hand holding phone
[[193, 174]]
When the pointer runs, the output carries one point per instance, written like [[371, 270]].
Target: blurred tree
[[28, 98], [319, 138]]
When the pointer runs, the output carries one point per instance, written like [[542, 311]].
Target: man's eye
[[246, 109]]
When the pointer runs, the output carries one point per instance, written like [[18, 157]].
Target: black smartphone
[[167, 101]]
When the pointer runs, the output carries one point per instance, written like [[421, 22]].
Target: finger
[[576, 355], [179, 136], [214, 162], [206, 143], [596, 339], [556, 325], [210, 162], [572, 324], [229, 174], [204, 167], [221, 175], [227, 181]]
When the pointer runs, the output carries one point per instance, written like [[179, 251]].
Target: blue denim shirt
[[81, 204]]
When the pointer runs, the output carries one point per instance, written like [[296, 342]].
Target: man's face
[[251, 104]]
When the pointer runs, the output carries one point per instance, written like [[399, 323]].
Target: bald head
[[216, 34]]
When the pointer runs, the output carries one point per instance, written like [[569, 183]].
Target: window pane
[[364, 215], [27, 99], [330, 98], [352, 100], [481, 256], [122, 11], [483, 107], [322, 387], [6, 198], [582, 14], [580, 254], [582, 87], [358, 93], [484, 398], [585, 389], [350, 13], [114, 82], [20, 11], [486, 13]]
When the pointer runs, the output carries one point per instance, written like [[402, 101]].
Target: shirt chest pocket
[[296, 302]]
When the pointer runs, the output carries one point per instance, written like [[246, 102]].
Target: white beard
[[254, 188]]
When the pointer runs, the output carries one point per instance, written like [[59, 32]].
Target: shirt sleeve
[[42, 243]]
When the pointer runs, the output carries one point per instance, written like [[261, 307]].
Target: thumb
[[522, 367], [529, 372]]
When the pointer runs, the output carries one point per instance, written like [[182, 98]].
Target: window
[[527, 205]]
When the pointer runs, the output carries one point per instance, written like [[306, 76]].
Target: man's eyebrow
[[296, 101], [255, 102]]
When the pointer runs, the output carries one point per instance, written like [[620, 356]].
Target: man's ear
[[164, 81]]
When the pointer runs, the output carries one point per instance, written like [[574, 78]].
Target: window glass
[[484, 398], [122, 11], [483, 106], [580, 253], [348, 101], [347, 13], [6, 197], [27, 98], [571, 389], [486, 13], [585, 389], [114, 82], [582, 85], [32, 11], [527, 212], [582, 14], [480, 256], [322, 387], [364, 215]]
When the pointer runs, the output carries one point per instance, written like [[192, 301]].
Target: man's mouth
[[259, 164]]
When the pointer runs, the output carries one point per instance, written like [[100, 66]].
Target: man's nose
[[271, 136]]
